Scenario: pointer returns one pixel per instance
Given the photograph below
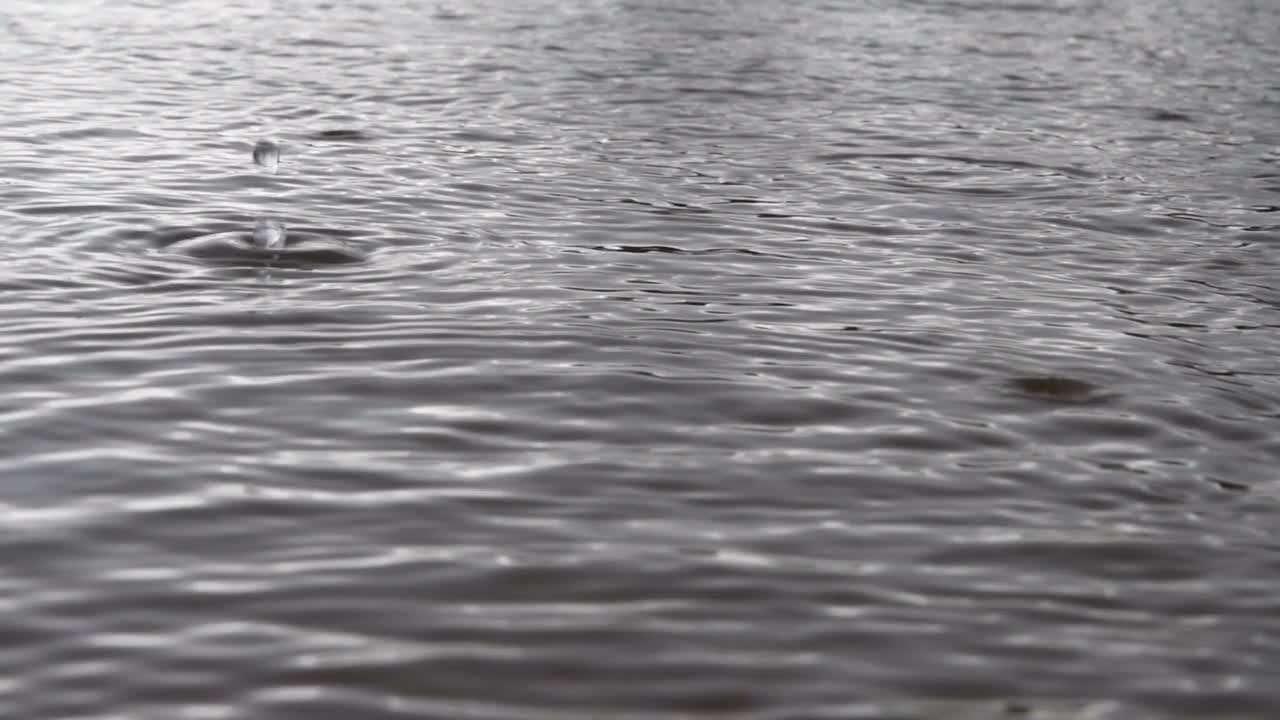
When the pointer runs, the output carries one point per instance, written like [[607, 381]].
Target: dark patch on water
[[1231, 485], [1169, 116], [669, 250], [341, 135], [1017, 709], [1057, 388], [448, 13]]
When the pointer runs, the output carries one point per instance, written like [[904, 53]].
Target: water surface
[[652, 359]]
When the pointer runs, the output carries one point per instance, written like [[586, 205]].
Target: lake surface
[[653, 359]]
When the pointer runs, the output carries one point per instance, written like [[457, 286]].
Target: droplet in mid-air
[[268, 234], [266, 154]]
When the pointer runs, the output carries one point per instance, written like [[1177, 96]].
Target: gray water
[[651, 359]]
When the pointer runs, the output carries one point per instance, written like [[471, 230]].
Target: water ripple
[[640, 360]]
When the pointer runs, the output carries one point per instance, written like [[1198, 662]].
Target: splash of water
[[267, 154], [268, 234]]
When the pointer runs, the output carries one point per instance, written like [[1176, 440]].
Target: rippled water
[[651, 359]]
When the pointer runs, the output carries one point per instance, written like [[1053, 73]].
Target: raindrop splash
[[268, 234], [267, 154]]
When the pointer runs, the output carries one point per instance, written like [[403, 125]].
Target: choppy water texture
[[651, 359]]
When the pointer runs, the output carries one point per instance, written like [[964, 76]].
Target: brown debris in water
[[1057, 388]]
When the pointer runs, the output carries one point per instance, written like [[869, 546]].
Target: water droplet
[[268, 234], [266, 154]]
